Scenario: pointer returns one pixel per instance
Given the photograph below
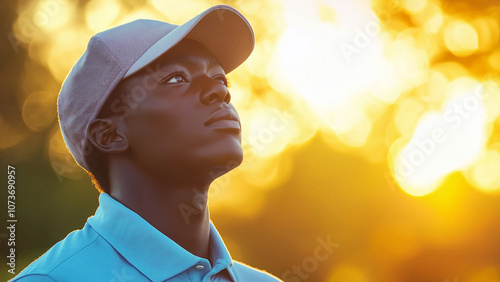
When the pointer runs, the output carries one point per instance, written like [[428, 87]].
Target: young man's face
[[184, 122]]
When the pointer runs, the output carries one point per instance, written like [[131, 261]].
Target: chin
[[217, 159], [227, 154], [222, 165], [230, 159]]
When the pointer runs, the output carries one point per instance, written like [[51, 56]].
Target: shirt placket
[[198, 271], [212, 276], [203, 271]]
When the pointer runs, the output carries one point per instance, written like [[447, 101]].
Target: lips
[[223, 115]]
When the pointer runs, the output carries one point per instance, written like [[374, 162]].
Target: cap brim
[[221, 29]]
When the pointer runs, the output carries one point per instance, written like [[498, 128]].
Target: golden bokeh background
[[374, 125]]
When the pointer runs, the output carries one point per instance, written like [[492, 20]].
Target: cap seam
[[107, 92], [93, 115], [126, 71]]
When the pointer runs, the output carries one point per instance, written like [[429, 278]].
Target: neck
[[177, 208]]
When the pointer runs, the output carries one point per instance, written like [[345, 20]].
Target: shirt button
[[199, 266]]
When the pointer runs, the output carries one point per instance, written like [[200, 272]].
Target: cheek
[[150, 125], [175, 132], [161, 126]]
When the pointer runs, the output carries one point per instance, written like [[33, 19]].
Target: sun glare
[[444, 141], [326, 66]]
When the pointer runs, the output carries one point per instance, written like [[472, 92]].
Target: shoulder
[[65, 253], [248, 273]]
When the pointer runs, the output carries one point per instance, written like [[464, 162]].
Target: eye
[[222, 79], [177, 77]]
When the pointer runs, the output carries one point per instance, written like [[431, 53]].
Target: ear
[[105, 136]]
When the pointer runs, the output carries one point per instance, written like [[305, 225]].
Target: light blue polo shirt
[[117, 245]]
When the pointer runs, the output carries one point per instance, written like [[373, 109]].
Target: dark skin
[[180, 136]]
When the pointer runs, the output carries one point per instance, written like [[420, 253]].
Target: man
[[146, 111]]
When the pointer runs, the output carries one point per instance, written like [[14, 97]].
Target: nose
[[214, 91]]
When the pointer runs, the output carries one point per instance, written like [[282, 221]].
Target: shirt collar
[[145, 247]]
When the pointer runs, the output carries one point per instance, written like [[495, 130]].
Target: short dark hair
[[98, 170]]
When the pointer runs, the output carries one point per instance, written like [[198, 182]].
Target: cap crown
[[122, 51], [108, 57]]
